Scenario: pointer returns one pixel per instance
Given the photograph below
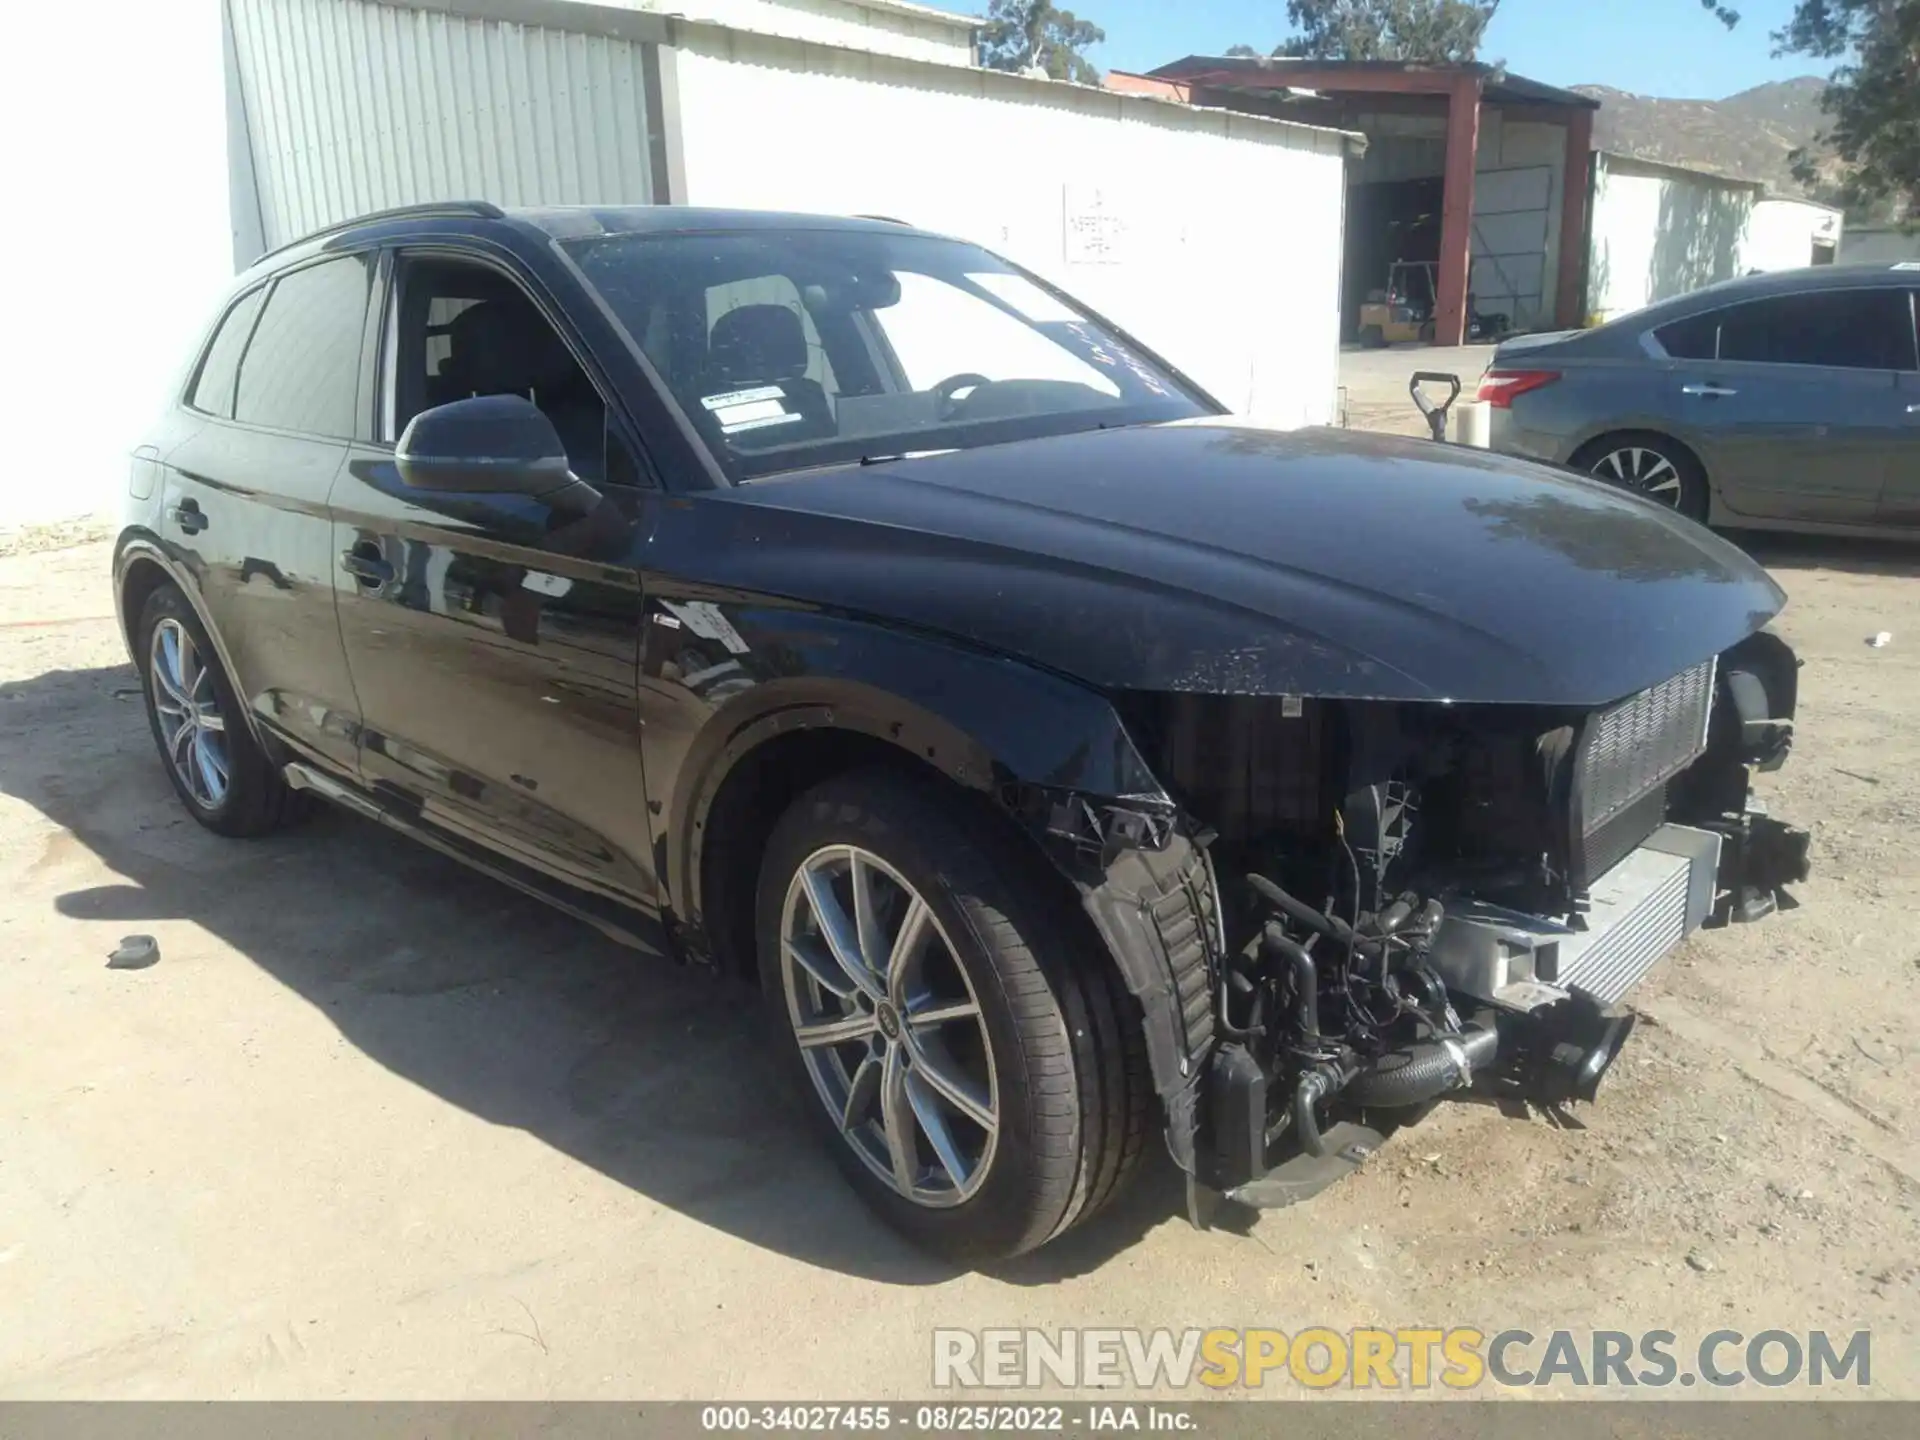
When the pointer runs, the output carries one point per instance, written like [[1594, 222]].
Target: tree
[[1436, 31], [1873, 98], [1022, 35]]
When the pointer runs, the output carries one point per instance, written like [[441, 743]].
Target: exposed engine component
[[1436, 898]]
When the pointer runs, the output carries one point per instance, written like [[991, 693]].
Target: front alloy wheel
[[888, 1026], [976, 1066], [193, 732]]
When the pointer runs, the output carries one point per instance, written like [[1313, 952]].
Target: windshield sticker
[[742, 397], [759, 422], [1025, 296], [755, 409]]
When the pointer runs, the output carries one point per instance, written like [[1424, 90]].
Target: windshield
[[796, 348]]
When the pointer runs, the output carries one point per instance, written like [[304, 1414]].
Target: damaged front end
[[1355, 908]]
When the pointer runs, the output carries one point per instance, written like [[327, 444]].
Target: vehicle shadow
[[1780, 551], [659, 1077]]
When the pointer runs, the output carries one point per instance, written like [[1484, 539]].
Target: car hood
[[1214, 557]]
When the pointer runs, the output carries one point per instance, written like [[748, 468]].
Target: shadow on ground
[[660, 1078], [1783, 552]]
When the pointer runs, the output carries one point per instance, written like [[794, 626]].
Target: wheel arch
[[141, 565], [1000, 734], [1052, 762]]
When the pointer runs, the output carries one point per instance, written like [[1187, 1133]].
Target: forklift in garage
[[1404, 311]]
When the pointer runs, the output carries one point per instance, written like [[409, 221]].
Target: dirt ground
[[1373, 383], [375, 1127]]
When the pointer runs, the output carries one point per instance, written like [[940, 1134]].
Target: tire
[[1054, 1051], [1372, 337], [223, 778], [1653, 466]]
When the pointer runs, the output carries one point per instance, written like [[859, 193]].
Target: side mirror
[[488, 445]]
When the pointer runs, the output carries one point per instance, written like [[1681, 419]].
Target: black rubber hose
[[1395, 915], [1328, 925], [1416, 1073], [1306, 977], [1305, 1096]]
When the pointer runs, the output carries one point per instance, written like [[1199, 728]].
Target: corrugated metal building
[[1662, 230], [1214, 236]]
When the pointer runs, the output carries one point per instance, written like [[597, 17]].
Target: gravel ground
[[375, 1127]]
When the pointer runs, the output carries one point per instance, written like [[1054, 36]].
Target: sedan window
[[1695, 338], [1865, 329]]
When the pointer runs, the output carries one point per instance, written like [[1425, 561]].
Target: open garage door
[[1512, 217]]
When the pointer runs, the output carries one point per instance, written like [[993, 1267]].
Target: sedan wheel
[[888, 1026], [1639, 468], [193, 732]]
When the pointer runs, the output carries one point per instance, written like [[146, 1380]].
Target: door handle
[[189, 517], [1913, 409], [1708, 390], [365, 564]]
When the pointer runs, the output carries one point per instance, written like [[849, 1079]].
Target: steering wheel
[[947, 391]]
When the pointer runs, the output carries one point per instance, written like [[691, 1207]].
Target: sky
[[1670, 48]]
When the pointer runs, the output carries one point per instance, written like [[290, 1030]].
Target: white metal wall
[[352, 106], [1782, 233], [1214, 237], [1660, 232], [887, 27]]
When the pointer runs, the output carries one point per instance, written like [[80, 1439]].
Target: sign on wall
[[1096, 230]]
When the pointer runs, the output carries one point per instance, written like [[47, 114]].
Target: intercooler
[[1622, 761], [1646, 884]]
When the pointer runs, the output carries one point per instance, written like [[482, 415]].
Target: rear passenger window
[[1843, 329], [302, 369], [1694, 338], [213, 388]]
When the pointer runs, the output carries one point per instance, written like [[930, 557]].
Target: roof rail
[[885, 220], [466, 209]]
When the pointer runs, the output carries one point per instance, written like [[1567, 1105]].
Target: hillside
[[1749, 135]]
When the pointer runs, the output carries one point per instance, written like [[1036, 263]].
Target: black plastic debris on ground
[[136, 952]]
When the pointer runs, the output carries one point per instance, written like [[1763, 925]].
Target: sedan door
[[1797, 409], [1900, 499], [245, 499], [493, 640]]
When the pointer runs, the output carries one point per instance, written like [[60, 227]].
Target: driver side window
[[464, 330]]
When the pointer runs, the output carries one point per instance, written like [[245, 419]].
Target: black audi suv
[[840, 606]]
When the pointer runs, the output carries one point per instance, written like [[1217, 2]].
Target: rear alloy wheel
[[193, 731], [1650, 466], [965, 1048], [216, 766]]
